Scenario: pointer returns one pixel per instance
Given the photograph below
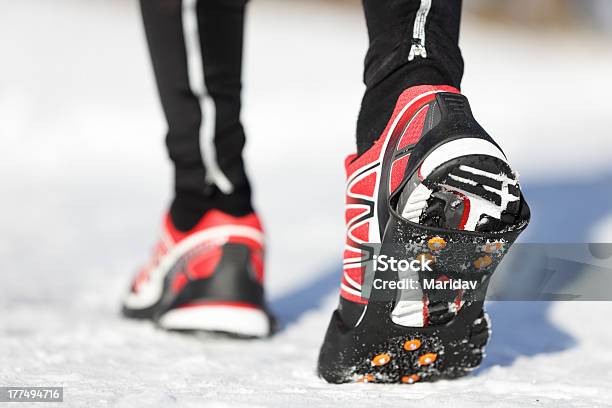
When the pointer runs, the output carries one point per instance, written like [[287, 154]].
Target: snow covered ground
[[84, 181]]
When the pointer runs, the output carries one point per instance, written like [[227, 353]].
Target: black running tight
[[196, 50]]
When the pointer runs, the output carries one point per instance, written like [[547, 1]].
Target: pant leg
[[181, 38], [221, 31], [394, 61]]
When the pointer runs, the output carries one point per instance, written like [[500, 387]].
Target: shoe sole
[[382, 351], [406, 355], [241, 321]]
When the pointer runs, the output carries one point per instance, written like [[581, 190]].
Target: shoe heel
[[230, 318]]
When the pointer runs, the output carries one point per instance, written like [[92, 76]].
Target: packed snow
[[84, 181]]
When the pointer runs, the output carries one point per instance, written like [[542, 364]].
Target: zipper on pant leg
[[418, 34]]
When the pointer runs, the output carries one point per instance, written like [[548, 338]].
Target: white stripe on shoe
[[458, 148], [416, 203]]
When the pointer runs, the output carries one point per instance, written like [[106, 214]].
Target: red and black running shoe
[[435, 189], [207, 279]]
